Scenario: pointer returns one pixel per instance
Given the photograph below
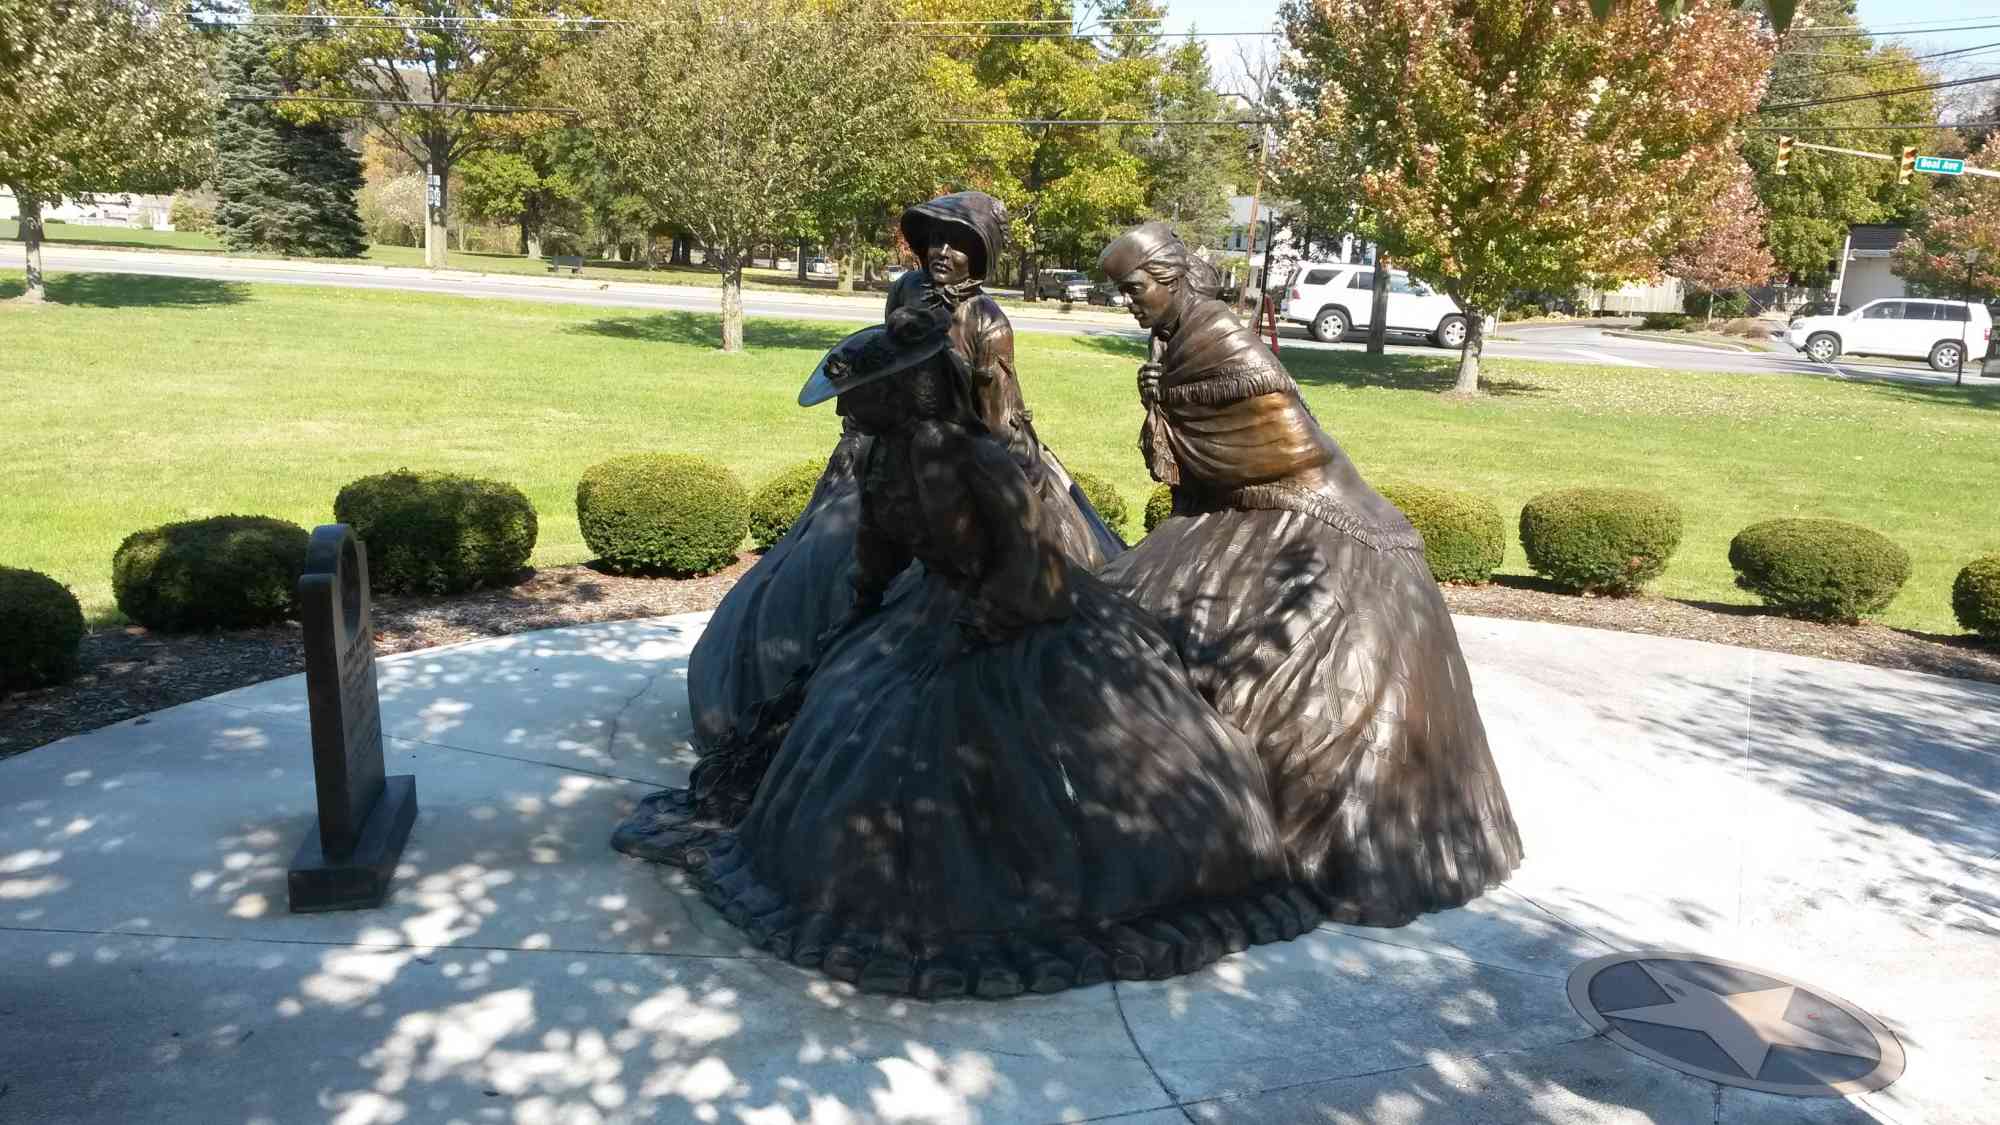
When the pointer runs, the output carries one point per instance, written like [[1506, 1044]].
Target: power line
[[466, 107], [1862, 32], [1876, 96], [549, 24], [1097, 35], [1884, 64], [1219, 121], [1939, 126]]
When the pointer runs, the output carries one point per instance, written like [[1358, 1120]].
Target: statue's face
[[1152, 304], [949, 256], [875, 407]]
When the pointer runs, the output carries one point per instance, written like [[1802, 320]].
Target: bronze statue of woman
[[767, 626], [1001, 780], [1302, 605], [957, 236]]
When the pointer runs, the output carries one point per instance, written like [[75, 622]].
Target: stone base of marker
[[348, 860], [361, 879]]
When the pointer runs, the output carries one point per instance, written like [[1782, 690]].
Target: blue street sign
[[1940, 165]]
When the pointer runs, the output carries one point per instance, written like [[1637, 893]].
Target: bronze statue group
[[957, 739]]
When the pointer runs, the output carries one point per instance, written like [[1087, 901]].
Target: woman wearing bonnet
[[769, 624], [1300, 601]]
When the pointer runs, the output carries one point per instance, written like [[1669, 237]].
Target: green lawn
[[133, 401]]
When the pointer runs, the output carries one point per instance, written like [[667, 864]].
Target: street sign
[[1940, 166], [436, 191]]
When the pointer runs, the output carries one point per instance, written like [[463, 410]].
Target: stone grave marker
[[347, 861]]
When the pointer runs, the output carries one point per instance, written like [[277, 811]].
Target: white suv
[[1332, 299], [1942, 332]]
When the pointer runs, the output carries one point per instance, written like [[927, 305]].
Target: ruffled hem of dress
[[1154, 945]]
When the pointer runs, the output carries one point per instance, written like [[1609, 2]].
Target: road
[[1584, 342]]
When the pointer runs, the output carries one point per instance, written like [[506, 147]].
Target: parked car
[[821, 267], [895, 273], [1941, 333], [1105, 293], [1333, 299], [1068, 285]]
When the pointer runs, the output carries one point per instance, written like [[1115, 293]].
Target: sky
[[1883, 15]]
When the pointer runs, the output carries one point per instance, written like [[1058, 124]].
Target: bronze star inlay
[[1831, 1048]]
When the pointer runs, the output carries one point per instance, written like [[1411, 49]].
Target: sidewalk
[[1826, 821]]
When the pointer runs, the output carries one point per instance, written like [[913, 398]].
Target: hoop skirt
[[1050, 811], [1341, 664], [766, 626]]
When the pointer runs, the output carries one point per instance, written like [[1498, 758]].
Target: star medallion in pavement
[[1746, 1025], [1776, 1035]]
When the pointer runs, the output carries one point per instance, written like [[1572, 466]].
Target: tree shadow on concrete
[[705, 330], [130, 291], [523, 971], [1890, 778]]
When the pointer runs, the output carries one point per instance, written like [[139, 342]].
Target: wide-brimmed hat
[[909, 338], [975, 211]]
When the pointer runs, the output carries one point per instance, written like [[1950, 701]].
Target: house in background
[[109, 209], [1236, 251], [1866, 270]]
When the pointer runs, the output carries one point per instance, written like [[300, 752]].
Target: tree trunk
[[1378, 301], [1031, 275], [850, 263], [802, 261], [1468, 357], [531, 241], [31, 237], [436, 236], [732, 300]]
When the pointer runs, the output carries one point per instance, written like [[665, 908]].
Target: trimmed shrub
[[1159, 506], [780, 501], [1105, 499], [1465, 537], [1975, 597], [1664, 322], [1600, 540], [41, 626], [662, 513], [225, 572], [1822, 570], [438, 533]]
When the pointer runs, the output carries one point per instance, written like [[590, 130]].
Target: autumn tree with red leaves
[[1730, 252], [1497, 145]]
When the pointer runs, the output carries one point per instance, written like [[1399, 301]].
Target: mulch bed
[[130, 671]]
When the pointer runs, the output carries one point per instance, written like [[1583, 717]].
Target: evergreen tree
[[284, 187]]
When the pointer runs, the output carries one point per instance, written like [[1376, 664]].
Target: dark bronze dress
[[1301, 603], [765, 627], [1000, 781]]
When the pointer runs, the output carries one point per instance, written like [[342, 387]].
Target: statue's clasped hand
[[1149, 383]]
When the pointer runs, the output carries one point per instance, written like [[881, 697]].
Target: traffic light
[[1784, 154], [1908, 166]]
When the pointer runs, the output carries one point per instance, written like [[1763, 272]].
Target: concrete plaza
[[1830, 822]]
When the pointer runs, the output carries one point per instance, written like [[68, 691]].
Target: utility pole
[[1256, 197]]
